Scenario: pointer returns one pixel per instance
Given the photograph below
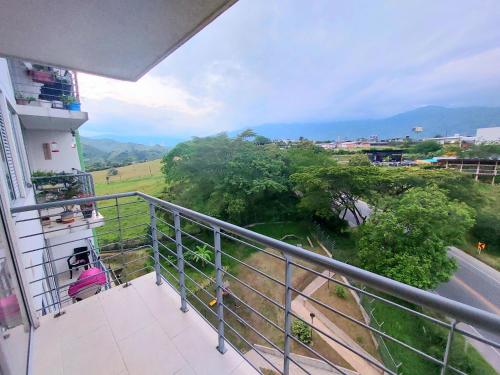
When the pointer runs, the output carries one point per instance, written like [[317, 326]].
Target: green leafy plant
[[68, 99], [201, 255], [340, 292], [302, 331]]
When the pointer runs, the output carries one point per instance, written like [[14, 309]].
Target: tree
[[483, 151], [425, 147], [261, 140], [330, 190], [231, 179], [359, 160], [246, 134], [407, 241]]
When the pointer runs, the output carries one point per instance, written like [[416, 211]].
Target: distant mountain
[[434, 120], [105, 153]]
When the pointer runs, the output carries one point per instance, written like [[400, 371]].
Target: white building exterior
[[488, 135], [26, 131]]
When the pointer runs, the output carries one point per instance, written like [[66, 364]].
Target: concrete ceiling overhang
[[120, 39]]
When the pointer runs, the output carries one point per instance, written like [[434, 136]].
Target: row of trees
[[417, 212]]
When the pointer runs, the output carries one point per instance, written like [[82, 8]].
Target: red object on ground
[[9, 308], [92, 276]]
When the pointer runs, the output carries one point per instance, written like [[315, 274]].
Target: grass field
[[145, 177]]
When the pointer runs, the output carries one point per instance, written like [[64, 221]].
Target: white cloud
[[163, 93]]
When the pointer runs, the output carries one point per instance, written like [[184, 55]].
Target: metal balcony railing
[[144, 234], [45, 86], [61, 186]]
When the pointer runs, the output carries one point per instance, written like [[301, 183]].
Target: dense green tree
[[425, 147], [306, 154], [261, 140], [359, 160], [328, 191], [407, 240], [232, 179], [483, 151]]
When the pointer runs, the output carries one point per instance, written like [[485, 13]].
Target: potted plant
[[86, 208], [23, 100], [42, 75], [70, 103], [71, 190]]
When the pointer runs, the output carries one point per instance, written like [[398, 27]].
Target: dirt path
[[302, 308]]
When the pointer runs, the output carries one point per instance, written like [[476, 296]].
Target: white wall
[[62, 161], [5, 81], [488, 135]]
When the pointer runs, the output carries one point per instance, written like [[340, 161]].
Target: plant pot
[[67, 217], [45, 103], [87, 210], [42, 76], [57, 104], [75, 106], [22, 101]]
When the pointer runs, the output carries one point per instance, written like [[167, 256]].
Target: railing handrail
[[62, 175], [454, 309]]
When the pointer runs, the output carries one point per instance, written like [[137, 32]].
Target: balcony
[[47, 97], [173, 291], [51, 187]]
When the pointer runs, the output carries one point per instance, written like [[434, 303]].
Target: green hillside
[[105, 153]]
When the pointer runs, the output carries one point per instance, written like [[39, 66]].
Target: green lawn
[[427, 337], [145, 177]]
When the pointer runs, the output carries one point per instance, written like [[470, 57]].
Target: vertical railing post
[[180, 260], [288, 318], [448, 347], [120, 236], [154, 239], [219, 290]]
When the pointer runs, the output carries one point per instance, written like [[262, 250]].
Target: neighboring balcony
[[173, 291], [60, 221], [47, 97]]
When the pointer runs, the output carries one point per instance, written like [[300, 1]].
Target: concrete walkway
[[302, 308], [311, 365]]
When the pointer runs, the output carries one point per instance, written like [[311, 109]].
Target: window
[[8, 161]]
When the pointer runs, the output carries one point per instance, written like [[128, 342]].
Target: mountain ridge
[[434, 119], [105, 153]]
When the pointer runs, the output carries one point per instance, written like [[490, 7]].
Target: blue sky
[[298, 61]]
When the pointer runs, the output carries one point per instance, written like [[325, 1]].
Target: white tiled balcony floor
[[134, 330]]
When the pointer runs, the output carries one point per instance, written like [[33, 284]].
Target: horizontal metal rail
[[175, 261]]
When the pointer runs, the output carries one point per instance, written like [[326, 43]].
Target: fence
[[250, 287]]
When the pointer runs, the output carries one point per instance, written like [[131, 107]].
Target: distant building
[[353, 144], [454, 139], [486, 135], [328, 146], [384, 155]]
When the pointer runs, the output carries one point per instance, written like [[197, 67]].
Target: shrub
[[340, 292], [302, 331], [112, 172]]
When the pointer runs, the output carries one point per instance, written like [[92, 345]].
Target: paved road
[[475, 284]]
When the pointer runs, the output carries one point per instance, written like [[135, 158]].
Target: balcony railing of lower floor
[[283, 308]]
